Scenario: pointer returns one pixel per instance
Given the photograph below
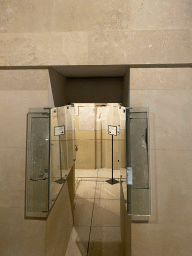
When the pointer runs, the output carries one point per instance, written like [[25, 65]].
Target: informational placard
[[59, 130], [112, 130], [129, 176]]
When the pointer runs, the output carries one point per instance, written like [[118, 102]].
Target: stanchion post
[[112, 130]]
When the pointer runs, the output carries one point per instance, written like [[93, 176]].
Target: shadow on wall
[[94, 90], [57, 82], [67, 90]]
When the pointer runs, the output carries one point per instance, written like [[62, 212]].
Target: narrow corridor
[[96, 230]]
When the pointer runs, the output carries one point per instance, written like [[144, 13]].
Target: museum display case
[[102, 136], [50, 157], [138, 176]]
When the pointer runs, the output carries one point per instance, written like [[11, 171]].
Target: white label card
[[59, 130], [112, 130], [129, 176]]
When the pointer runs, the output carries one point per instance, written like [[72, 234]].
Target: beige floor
[[96, 230]]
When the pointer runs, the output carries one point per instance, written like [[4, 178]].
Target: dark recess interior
[[94, 90]]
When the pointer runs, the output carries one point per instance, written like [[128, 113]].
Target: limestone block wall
[[87, 15], [19, 91], [88, 32], [45, 33], [96, 47], [168, 95]]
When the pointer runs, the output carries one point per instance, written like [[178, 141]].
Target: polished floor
[[96, 230]]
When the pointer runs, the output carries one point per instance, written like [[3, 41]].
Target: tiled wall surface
[[96, 47], [19, 91], [76, 15], [167, 93], [93, 33], [17, 95]]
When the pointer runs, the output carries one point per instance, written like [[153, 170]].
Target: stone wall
[[168, 95], [125, 32], [88, 32], [19, 91]]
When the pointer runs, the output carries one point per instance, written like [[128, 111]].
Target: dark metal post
[[112, 181]]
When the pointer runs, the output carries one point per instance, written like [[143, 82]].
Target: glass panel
[[93, 141], [138, 190], [50, 156], [37, 164], [85, 136], [109, 116], [51, 152], [62, 151], [122, 150]]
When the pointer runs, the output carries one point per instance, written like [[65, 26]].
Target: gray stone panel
[[140, 202], [139, 152]]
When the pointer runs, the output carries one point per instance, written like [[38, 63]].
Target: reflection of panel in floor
[[104, 229], [86, 189], [107, 191], [105, 241], [78, 242], [106, 213], [83, 212]]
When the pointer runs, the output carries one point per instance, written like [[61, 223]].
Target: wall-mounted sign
[[112, 130], [59, 130], [129, 176]]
